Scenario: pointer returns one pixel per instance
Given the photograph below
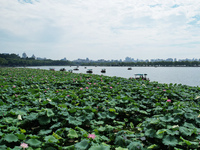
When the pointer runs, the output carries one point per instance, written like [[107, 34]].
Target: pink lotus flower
[[24, 145], [169, 100], [14, 86], [111, 87], [67, 95], [91, 136], [81, 88], [86, 87], [164, 90]]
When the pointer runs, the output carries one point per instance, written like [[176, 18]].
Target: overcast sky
[[101, 29]]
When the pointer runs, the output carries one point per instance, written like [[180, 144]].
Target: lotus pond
[[54, 110]]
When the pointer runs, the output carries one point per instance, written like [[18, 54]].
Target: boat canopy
[[139, 74]]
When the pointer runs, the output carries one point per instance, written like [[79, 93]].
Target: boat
[[62, 69], [141, 76], [89, 71], [70, 70], [76, 68], [52, 69], [129, 68], [103, 71]]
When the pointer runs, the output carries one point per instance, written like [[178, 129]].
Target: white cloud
[[100, 29]]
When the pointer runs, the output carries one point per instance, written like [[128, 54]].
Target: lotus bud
[[19, 117]]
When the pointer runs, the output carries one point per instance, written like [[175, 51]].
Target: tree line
[[13, 60]]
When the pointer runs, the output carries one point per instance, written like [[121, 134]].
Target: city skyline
[[127, 59], [108, 29]]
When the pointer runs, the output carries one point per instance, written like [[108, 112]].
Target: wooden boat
[[62, 69], [76, 69], [141, 76], [70, 70], [103, 71], [52, 69], [89, 71]]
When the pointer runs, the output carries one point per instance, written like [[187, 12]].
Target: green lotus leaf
[[189, 125], [10, 138], [32, 116], [104, 138], [178, 112], [185, 131], [56, 125], [143, 112], [120, 148], [154, 121], [50, 113], [34, 142], [172, 132], [90, 116], [111, 115], [198, 120], [72, 134], [189, 116], [21, 136], [112, 110], [150, 133], [83, 145], [44, 132], [73, 121], [167, 119], [50, 148], [102, 115], [160, 133], [44, 120], [135, 146], [101, 129], [73, 110], [3, 147], [56, 136], [170, 140], [64, 113], [100, 147], [152, 146], [120, 141], [12, 128], [193, 144], [9, 120], [71, 147], [50, 139]]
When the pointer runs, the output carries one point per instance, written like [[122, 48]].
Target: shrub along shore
[[54, 110]]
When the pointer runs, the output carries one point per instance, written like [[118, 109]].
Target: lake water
[[180, 75]]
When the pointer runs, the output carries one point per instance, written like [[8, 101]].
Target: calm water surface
[[180, 75]]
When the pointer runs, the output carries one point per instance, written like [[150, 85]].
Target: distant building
[[33, 56], [24, 55], [169, 59], [39, 58], [64, 59]]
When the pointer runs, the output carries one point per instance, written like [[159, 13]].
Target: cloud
[[106, 28]]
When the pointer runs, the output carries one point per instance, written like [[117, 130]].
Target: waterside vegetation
[[58, 110], [13, 60]]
